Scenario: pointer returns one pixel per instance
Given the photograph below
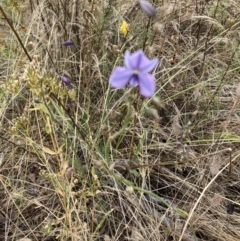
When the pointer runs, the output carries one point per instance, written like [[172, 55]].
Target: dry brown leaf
[[216, 200], [69, 173], [215, 165], [176, 126], [197, 93], [32, 177]]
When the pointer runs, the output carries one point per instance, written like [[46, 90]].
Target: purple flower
[[67, 43], [148, 8], [65, 79], [135, 73], [178, 143]]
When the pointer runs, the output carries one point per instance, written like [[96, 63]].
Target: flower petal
[[134, 80], [139, 61], [127, 60], [120, 77], [147, 84], [147, 65], [132, 61]]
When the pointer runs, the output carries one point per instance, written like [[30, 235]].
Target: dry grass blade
[[81, 160], [215, 165]]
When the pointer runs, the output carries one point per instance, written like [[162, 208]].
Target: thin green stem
[[118, 133], [146, 35]]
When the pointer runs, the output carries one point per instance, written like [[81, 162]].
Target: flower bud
[[66, 80], [68, 43], [148, 8]]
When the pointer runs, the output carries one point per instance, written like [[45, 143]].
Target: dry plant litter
[[80, 160]]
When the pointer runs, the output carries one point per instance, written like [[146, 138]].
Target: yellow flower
[[124, 29]]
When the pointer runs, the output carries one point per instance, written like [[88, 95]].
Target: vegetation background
[[83, 161]]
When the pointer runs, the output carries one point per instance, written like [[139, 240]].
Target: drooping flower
[[148, 8], [124, 28], [65, 79], [135, 73], [67, 43]]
